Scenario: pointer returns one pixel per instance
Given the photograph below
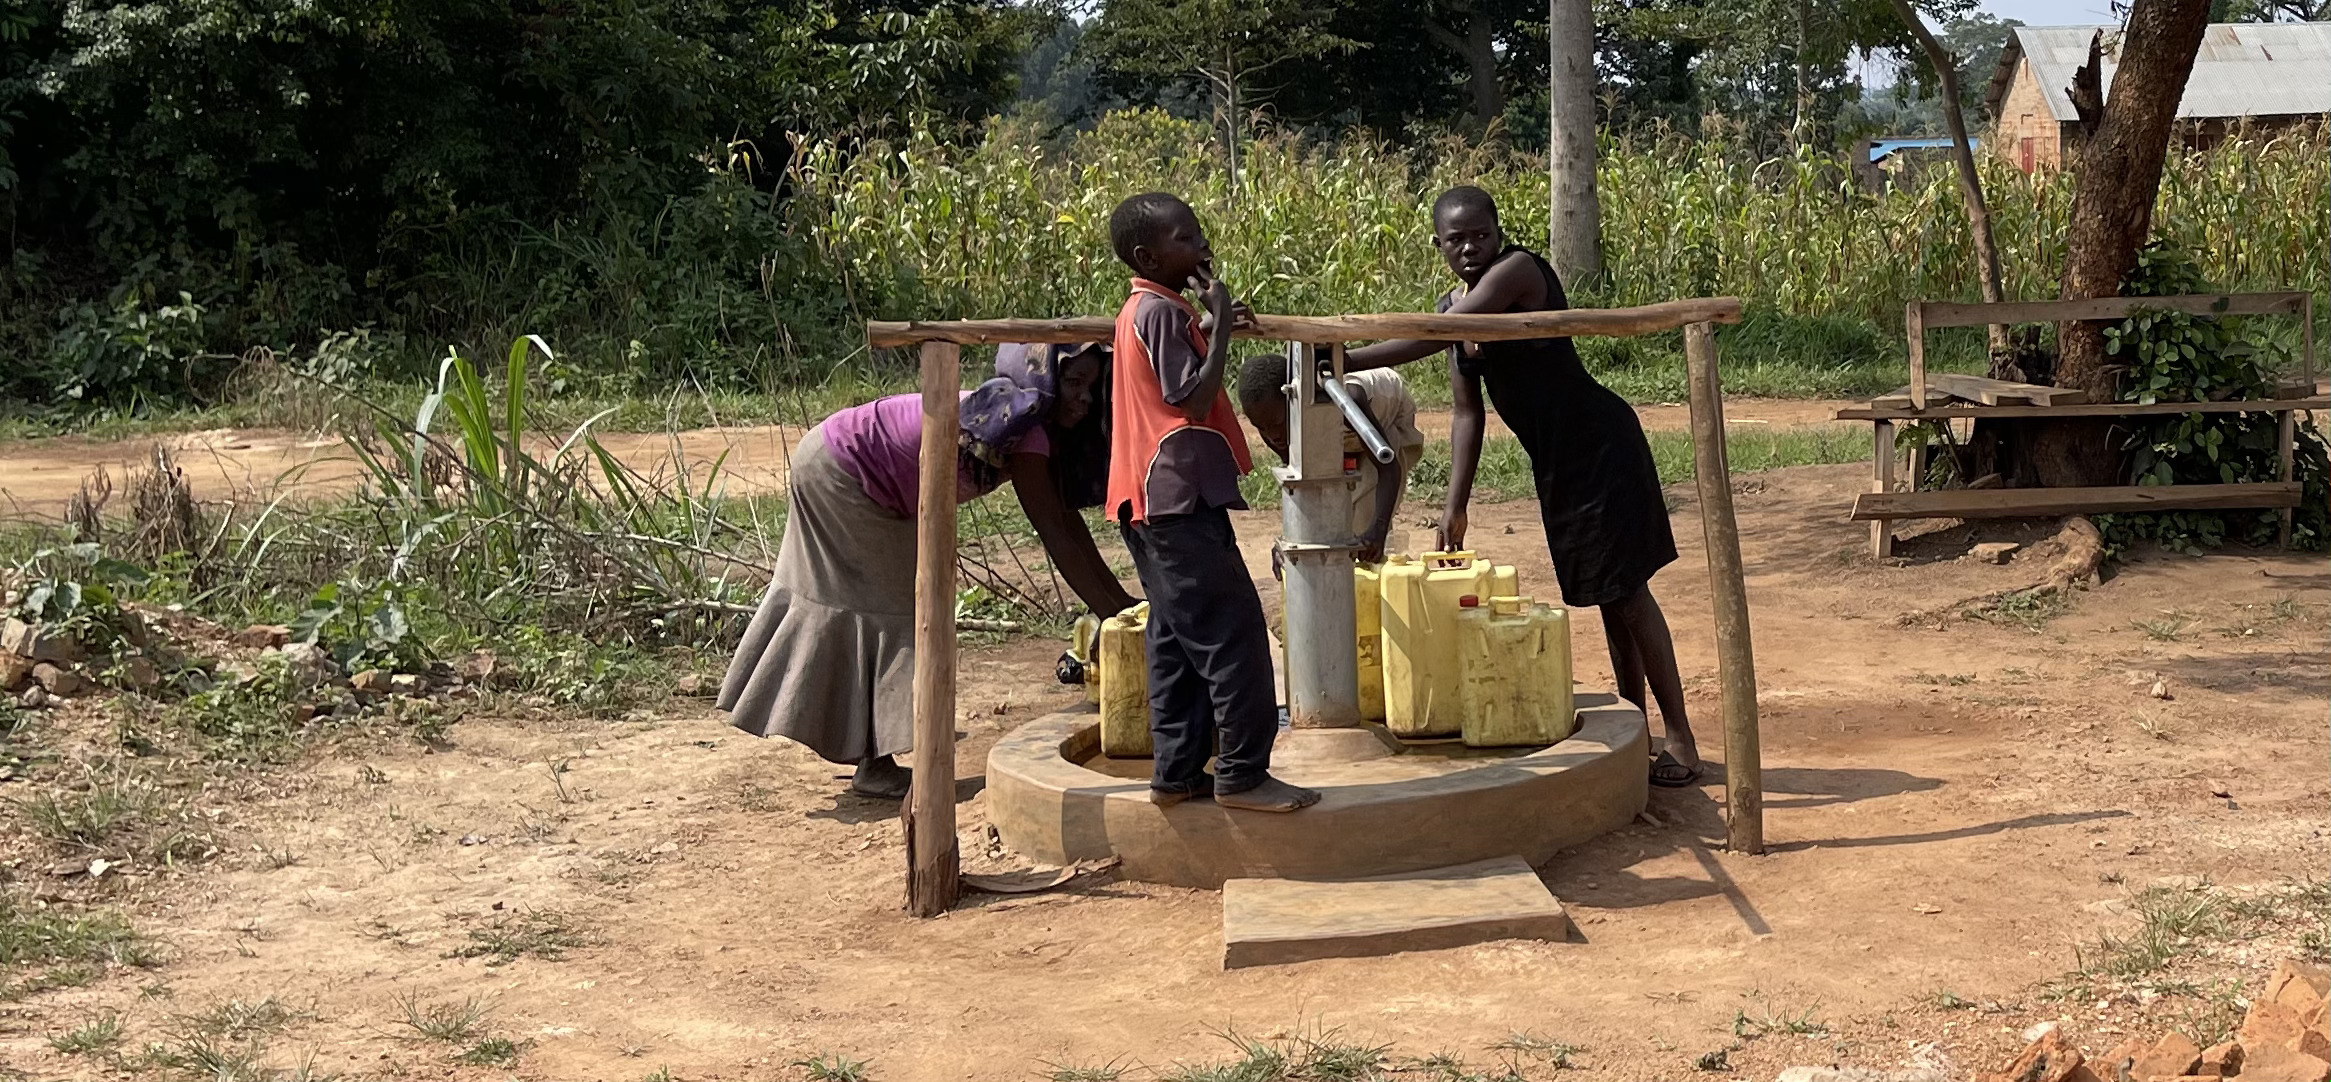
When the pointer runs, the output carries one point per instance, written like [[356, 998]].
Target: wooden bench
[[1976, 397], [2045, 502]]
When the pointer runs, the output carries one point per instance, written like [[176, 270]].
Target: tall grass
[[1006, 227]]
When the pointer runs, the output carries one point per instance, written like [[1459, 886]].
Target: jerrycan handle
[[1507, 606], [1459, 558]]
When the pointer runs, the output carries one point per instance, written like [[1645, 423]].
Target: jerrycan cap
[[1468, 601]]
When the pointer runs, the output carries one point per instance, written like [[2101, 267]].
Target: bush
[[2178, 357], [290, 167]]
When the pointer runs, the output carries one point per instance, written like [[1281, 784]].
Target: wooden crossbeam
[[1502, 327], [1953, 314], [2046, 502], [2091, 409]]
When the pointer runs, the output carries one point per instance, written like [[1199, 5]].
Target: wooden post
[[1914, 331], [2287, 431], [1735, 661], [2286, 439], [1882, 464], [929, 812], [2307, 342]]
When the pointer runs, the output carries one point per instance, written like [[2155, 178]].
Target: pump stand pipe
[[1323, 667]]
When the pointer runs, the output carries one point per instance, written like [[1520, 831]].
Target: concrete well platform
[[1055, 799]]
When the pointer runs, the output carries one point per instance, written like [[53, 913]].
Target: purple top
[[879, 445]]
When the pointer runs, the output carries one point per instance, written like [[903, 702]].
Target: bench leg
[[1882, 462], [2286, 440]]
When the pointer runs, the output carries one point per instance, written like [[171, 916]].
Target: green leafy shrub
[[362, 625], [247, 718], [2180, 357], [128, 348], [75, 590]]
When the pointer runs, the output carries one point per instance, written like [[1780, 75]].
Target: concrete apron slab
[[1385, 816], [1277, 921]]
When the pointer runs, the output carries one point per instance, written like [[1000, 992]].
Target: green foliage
[[247, 719], [106, 352], [290, 168], [446, 1023], [576, 671], [1226, 50], [2180, 357], [74, 944], [1010, 227], [75, 590], [541, 933], [833, 1067], [363, 626], [492, 1052], [99, 1034]]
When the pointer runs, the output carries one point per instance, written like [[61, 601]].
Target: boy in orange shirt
[[1176, 453]]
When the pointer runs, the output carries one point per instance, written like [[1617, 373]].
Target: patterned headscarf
[[1000, 412]]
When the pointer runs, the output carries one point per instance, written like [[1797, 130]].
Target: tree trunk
[[1230, 122], [1481, 68], [2112, 215], [1970, 182], [1575, 228], [1477, 47], [1799, 133]]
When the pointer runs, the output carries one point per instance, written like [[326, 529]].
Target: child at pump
[[1383, 398], [1175, 455], [1598, 488], [828, 659]]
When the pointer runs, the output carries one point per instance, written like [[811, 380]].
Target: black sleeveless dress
[[1598, 488]]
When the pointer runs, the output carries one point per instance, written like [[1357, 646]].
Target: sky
[[1880, 73], [2052, 12]]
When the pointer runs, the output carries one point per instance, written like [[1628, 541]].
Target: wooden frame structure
[[1999, 399], [928, 817]]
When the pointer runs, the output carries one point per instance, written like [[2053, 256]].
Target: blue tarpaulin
[[1879, 149]]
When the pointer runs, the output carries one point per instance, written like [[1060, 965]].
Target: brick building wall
[[2028, 134]]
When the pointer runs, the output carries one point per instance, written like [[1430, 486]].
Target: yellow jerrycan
[[1516, 681], [1124, 658], [1419, 614], [1504, 581], [1368, 621]]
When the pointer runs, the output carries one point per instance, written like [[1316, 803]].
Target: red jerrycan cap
[[1469, 601]]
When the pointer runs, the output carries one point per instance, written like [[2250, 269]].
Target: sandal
[[1668, 772]]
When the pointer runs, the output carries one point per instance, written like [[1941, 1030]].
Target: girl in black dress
[[1598, 489]]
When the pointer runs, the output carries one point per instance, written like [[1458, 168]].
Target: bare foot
[[1272, 795], [881, 778]]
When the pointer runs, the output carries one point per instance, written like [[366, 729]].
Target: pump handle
[[1354, 416]]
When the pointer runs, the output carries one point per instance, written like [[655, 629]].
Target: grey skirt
[[829, 657]]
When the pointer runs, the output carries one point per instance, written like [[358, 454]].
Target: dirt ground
[[38, 477], [1953, 806]]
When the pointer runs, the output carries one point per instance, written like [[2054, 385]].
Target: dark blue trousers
[[1209, 655]]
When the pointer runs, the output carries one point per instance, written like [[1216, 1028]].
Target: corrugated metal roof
[[1881, 148], [2243, 69]]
